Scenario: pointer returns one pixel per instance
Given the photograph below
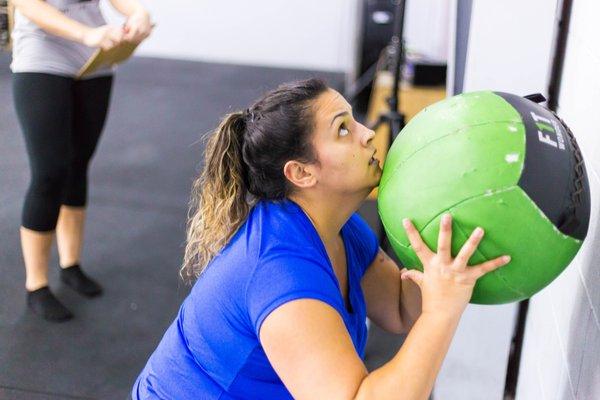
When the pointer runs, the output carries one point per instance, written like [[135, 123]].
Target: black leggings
[[61, 119]]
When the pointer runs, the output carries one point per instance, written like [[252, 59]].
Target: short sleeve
[[364, 241], [282, 279]]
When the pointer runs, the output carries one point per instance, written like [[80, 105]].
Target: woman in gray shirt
[[61, 118]]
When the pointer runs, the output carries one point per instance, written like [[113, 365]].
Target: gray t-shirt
[[35, 50]]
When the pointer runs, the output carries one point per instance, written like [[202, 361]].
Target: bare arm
[[319, 361], [56, 23], [411, 373], [410, 303], [128, 7], [392, 303], [51, 20], [310, 349], [138, 26]]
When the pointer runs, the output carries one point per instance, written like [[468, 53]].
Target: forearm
[[51, 20], [410, 375], [410, 303], [128, 7]]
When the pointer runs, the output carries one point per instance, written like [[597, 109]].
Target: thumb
[[413, 274]]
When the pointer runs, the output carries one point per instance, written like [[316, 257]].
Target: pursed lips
[[374, 160]]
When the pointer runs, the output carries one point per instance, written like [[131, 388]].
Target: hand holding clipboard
[[133, 33]]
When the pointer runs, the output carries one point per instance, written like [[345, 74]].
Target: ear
[[301, 175]]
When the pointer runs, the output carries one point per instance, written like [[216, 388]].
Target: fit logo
[[548, 130]]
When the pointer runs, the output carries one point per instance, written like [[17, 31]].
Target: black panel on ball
[[554, 174]]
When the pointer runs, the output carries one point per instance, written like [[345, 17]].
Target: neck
[[328, 216]]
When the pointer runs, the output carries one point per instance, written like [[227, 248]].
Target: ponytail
[[218, 204]]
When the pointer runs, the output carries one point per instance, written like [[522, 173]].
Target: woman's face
[[347, 160]]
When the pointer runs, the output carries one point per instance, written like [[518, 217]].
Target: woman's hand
[[446, 283], [106, 37], [138, 27]]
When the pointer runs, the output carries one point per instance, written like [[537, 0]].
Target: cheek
[[339, 165]]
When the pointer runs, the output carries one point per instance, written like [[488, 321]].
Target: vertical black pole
[[399, 52], [395, 118], [514, 358], [560, 46]]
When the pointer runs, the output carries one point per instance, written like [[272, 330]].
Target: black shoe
[[43, 303], [75, 278]]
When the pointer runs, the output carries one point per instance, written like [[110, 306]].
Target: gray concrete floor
[[140, 182]]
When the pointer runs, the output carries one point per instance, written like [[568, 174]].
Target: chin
[[378, 176], [372, 185]]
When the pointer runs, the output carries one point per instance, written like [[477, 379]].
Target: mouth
[[374, 160]]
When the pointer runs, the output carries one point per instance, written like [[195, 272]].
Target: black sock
[[43, 303], [75, 278]]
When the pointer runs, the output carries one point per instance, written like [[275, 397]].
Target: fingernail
[[447, 217], [405, 222], [506, 258], [479, 232]]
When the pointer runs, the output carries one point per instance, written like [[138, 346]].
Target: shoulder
[[289, 271], [280, 216], [280, 226], [288, 266]]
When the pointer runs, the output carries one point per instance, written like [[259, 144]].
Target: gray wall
[[306, 34], [561, 355]]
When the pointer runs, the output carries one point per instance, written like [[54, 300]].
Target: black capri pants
[[61, 119]]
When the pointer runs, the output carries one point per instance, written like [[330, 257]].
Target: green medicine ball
[[493, 160]]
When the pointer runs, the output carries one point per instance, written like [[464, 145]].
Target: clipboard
[[102, 58]]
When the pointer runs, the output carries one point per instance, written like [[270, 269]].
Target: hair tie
[[248, 115]]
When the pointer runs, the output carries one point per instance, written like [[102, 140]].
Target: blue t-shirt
[[212, 349]]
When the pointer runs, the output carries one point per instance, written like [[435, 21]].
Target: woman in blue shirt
[[287, 272]]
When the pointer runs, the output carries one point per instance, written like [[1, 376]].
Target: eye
[[343, 131]]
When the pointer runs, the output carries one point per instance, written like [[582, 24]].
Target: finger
[[445, 236], [111, 33], [130, 33], [135, 31], [136, 40], [419, 247], [116, 35], [414, 275], [468, 249], [477, 271], [135, 34], [146, 31], [110, 44]]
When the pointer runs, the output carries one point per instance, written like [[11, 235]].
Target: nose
[[367, 136]]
